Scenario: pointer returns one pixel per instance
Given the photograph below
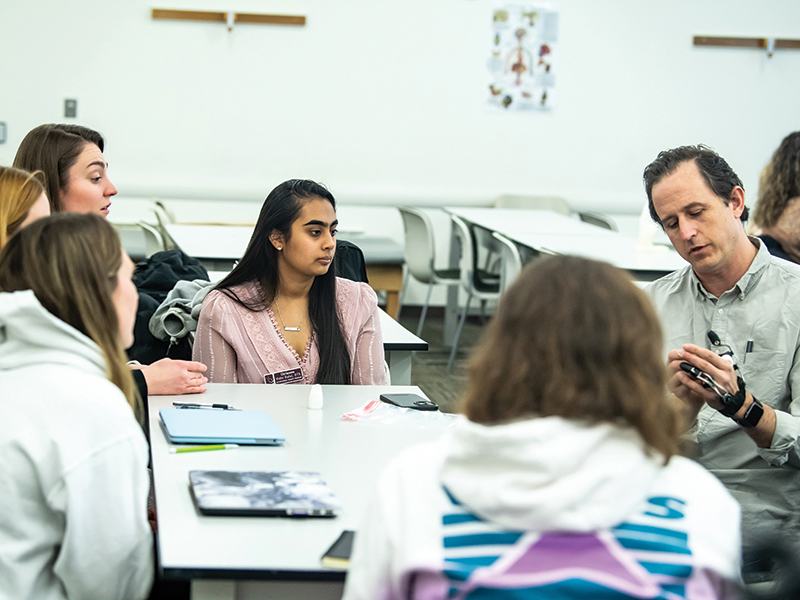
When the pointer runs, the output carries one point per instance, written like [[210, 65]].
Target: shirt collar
[[748, 280]]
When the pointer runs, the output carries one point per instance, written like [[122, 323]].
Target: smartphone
[[409, 401]]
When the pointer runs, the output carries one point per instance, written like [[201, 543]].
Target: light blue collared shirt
[[763, 308]]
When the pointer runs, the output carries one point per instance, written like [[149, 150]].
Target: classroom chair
[[476, 281], [420, 256]]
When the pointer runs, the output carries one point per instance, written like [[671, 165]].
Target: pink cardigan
[[241, 346]]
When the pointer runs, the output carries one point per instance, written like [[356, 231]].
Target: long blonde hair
[[70, 262], [574, 338], [19, 190]]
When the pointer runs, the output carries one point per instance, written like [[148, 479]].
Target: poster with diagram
[[522, 61]]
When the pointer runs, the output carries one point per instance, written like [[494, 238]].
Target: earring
[[280, 248]]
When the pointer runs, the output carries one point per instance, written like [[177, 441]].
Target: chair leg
[[403, 292], [425, 308], [458, 334]]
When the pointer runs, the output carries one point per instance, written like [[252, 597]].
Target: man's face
[[702, 228]]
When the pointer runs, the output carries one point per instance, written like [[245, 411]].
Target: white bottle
[[315, 397]]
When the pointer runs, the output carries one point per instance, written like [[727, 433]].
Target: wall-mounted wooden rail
[[770, 44], [228, 17]]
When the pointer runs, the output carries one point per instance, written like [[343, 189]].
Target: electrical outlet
[[70, 108], [2, 132]]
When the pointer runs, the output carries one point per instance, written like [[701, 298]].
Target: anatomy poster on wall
[[522, 64]]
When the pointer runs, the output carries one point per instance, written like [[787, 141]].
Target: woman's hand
[[167, 377]]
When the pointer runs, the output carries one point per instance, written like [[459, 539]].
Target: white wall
[[383, 100]]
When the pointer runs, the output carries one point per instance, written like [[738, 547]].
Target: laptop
[[216, 426], [262, 494]]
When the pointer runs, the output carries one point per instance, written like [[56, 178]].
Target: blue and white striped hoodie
[[545, 508]]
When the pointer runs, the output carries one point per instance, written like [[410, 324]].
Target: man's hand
[[721, 370], [167, 377], [691, 390]]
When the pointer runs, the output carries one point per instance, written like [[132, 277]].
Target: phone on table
[[414, 401]]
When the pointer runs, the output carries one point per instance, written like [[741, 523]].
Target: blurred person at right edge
[[776, 217]]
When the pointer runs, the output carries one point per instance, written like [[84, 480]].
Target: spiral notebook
[[217, 426]]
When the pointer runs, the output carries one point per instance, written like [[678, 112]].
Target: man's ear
[[276, 238], [737, 201]]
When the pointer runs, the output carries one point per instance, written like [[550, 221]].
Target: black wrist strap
[[731, 403], [752, 415]]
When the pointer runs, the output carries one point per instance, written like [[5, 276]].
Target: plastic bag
[[376, 411]]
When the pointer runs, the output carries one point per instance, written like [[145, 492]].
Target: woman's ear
[[276, 238]]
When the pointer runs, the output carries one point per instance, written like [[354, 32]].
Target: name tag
[[285, 377]]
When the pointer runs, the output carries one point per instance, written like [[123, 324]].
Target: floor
[[429, 369]]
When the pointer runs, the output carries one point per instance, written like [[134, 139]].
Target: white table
[[553, 233], [550, 232], [251, 557]]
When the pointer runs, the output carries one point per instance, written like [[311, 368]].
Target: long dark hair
[[260, 264]]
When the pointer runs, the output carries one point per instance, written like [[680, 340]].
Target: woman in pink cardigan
[[282, 315]]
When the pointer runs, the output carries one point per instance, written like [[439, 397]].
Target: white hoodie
[[545, 506], [73, 466]]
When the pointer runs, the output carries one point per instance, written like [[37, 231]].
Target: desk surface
[[550, 232], [350, 456], [228, 242]]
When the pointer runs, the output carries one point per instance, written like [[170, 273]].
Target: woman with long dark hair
[[562, 480], [282, 315]]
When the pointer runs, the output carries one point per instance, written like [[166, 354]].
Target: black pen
[[198, 405], [747, 350]]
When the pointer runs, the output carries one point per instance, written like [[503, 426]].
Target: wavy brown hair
[[574, 338], [19, 190], [779, 182], [70, 262]]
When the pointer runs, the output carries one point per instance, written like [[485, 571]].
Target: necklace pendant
[[291, 329]]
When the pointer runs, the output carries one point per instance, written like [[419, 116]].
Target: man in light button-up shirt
[[751, 301]]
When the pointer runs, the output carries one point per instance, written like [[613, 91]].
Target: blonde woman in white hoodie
[[563, 480], [73, 474]]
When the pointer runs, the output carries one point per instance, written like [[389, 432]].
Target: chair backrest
[[511, 261], [468, 258], [350, 263], [153, 242], [554, 203], [598, 219], [419, 245]]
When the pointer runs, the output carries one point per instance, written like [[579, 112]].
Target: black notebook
[[262, 493], [338, 555]]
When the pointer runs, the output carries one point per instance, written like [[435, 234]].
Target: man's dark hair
[[718, 175]]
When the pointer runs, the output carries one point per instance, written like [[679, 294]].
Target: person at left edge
[[73, 474], [75, 172]]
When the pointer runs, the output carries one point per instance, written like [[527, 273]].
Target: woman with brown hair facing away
[[22, 201], [73, 477], [562, 480], [777, 212]]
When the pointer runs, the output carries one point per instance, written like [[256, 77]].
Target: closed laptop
[[213, 426]]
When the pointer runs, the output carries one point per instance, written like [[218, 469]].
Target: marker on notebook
[[198, 405], [203, 448]]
